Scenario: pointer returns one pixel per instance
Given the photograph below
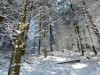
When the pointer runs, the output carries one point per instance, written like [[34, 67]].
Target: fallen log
[[73, 61]]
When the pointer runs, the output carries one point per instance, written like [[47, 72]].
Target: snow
[[58, 0], [4, 63], [16, 46], [34, 64], [38, 65], [79, 66], [18, 31], [49, 66]]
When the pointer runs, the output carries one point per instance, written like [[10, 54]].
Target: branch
[[73, 61]]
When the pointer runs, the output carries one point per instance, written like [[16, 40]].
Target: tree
[[51, 37], [77, 30], [18, 44]]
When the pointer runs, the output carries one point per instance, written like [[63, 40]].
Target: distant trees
[[44, 29], [65, 16], [68, 16], [47, 25]]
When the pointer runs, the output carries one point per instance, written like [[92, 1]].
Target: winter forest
[[49, 37]]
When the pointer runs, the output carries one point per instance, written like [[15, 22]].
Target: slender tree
[[95, 30], [92, 22], [44, 34], [51, 37], [39, 48], [77, 30]]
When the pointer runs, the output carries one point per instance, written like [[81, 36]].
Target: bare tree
[[77, 30], [18, 44]]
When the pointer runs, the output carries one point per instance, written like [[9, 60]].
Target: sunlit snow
[[79, 66]]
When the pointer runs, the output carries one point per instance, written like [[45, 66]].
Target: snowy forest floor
[[35, 64]]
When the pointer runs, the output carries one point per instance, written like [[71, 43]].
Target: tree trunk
[[39, 35], [51, 38], [77, 30], [90, 17], [14, 68]]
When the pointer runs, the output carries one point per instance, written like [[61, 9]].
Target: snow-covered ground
[[38, 65], [4, 62]]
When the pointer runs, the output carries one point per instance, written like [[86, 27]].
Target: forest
[[49, 37]]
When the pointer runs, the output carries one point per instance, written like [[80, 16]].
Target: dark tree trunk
[[51, 38]]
